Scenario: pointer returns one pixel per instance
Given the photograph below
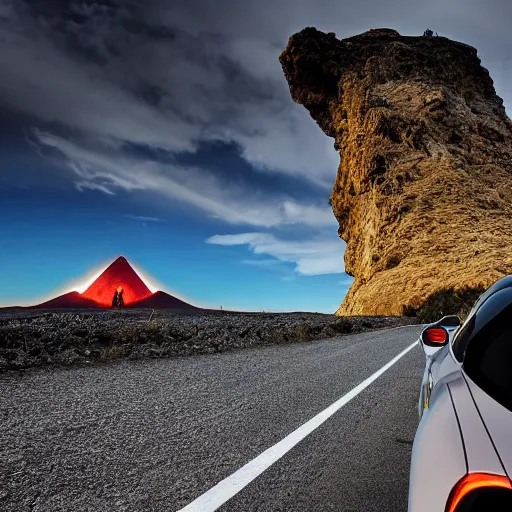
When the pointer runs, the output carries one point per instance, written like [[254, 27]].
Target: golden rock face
[[423, 194]]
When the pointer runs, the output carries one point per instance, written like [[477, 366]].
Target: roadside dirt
[[29, 338]]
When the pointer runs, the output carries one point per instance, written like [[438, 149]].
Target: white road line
[[391, 328], [233, 484]]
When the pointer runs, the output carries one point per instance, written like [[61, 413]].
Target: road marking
[[218, 495], [391, 328]]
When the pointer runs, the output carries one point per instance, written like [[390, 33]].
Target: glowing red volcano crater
[[118, 274]]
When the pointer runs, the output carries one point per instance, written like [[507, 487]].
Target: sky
[[164, 131]]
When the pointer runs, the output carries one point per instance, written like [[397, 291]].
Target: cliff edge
[[423, 194]]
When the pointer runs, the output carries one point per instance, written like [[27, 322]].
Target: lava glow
[[119, 276], [81, 287], [87, 280], [99, 285], [150, 283], [91, 276]]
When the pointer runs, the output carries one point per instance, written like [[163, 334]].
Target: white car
[[462, 451]]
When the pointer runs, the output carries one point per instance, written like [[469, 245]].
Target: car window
[[488, 356], [481, 314], [462, 337]]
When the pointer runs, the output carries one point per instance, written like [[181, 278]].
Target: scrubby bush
[[445, 302], [342, 326], [302, 331], [36, 339], [409, 311]]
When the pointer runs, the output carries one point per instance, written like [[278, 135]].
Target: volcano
[[118, 275]]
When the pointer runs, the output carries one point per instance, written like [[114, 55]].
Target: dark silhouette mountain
[[71, 300], [161, 300], [119, 273]]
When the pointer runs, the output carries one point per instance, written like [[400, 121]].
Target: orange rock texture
[[423, 194]]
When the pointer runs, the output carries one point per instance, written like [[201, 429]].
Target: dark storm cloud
[[164, 85], [118, 89], [169, 74]]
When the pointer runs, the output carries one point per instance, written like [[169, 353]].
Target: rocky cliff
[[423, 193]]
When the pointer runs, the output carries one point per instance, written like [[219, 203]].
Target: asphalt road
[[155, 435]]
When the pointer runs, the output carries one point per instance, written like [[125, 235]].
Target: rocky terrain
[[33, 338], [423, 193]]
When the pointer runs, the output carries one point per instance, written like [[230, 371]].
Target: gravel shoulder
[[30, 338]]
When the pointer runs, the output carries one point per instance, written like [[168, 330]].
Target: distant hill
[[71, 300], [161, 300]]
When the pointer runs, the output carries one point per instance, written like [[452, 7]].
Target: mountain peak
[[118, 274]]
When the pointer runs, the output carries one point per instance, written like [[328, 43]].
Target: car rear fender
[[498, 422], [480, 452], [438, 458]]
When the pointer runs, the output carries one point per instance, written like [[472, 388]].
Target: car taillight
[[436, 335], [472, 482]]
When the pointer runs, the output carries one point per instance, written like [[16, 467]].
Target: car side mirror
[[435, 335], [433, 338]]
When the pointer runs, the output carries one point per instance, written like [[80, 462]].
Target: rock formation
[[423, 194]]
